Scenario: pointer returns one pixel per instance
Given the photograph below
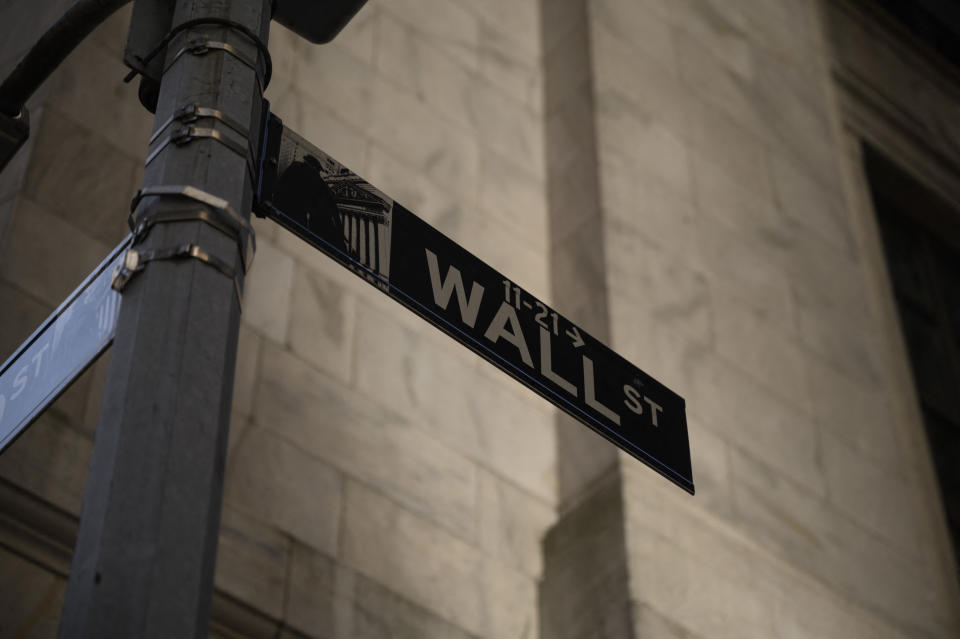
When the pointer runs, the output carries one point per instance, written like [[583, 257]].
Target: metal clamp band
[[202, 47], [216, 21], [185, 135], [228, 220], [190, 113], [134, 261]]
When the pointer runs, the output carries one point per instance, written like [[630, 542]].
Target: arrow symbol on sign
[[574, 334]]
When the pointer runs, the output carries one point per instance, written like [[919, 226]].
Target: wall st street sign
[[330, 207], [65, 344]]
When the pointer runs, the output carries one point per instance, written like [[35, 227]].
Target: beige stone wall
[[736, 276], [673, 174]]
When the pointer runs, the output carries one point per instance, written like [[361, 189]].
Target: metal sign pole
[[143, 564]]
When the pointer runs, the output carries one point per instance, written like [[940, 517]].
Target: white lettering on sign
[[498, 328], [589, 393], [454, 282], [19, 382], [546, 364], [38, 357], [506, 325], [633, 403]]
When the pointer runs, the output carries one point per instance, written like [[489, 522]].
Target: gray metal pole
[[143, 564]]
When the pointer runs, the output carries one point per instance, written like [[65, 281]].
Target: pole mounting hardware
[[217, 213]]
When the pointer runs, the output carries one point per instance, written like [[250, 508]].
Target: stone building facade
[[685, 179]]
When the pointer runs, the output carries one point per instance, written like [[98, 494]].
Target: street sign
[[57, 352], [331, 208]]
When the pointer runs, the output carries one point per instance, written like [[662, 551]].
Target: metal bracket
[[134, 261], [142, 62], [186, 134], [190, 113], [226, 220], [203, 47]]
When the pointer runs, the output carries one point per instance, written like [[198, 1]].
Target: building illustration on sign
[[338, 206]]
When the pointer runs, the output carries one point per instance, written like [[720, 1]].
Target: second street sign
[[324, 203]]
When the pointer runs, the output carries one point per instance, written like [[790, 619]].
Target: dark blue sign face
[[336, 211], [62, 348]]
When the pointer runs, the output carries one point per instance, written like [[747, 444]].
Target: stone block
[[720, 28], [449, 24], [506, 62], [455, 404], [585, 589], [339, 81], [443, 151], [33, 257], [315, 589], [579, 260], [666, 216], [507, 127], [728, 89], [716, 583], [275, 481], [267, 292], [818, 539], [423, 68], [710, 459], [566, 63], [569, 136], [30, 598], [514, 199], [859, 414], [81, 176], [516, 20], [740, 152], [558, 20], [669, 354], [511, 524], [409, 554], [252, 560], [583, 458], [321, 126], [805, 202], [443, 208], [882, 497], [840, 339], [379, 613], [736, 270], [509, 602], [49, 460], [751, 212], [323, 318], [359, 37], [659, 285], [647, 622], [90, 93], [770, 354], [574, 199], [794, 106], [785, 29], [647, 81], [640, 143], [641, 23], [741, 411], [367, 438]]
